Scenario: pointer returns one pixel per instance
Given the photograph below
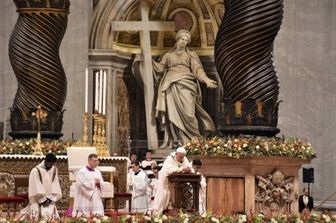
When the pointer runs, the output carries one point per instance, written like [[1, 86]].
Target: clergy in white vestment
[[197, 165], [88, 192], [139, 184], [148, 162], [176, 162], [43, 191], [152, 186]]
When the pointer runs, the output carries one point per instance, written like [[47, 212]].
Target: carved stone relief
[[274, 193]]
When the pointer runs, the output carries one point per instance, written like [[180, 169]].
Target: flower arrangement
[[26, 147], [183, 217], [242, 146]]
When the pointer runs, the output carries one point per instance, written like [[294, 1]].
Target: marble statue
[[178, 104]]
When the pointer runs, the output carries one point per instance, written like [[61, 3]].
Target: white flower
[[326, 218], [164, 217], [213, 219], [156, 219], [230, 154], [94, 219], [242, 218], [105, 218], [225, 145], [128, 216], [274, 221], [147, 218], [204, 215], [244, 145], [257, 147], [260, 215]]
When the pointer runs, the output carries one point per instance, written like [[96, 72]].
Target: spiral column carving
[[34, 56], [244, 61]]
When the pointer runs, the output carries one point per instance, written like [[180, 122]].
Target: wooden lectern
[[185, 192]]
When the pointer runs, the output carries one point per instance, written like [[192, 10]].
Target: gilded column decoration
[[34, 56], [244, 61], [123, 116]]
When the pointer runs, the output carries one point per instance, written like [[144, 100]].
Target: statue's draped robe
[[179, 101]]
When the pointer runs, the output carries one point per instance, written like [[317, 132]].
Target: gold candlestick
[[40, 115], [103, 149], [95, 130], [86, 118], [84, 142]]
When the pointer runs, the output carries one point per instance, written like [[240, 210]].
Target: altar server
[[88, 192], [139, 184], [197, 166], [43, 191]]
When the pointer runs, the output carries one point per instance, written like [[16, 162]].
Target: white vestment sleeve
[[36, 191], [85, 184]]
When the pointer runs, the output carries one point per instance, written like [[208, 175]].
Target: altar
[[21, 165], [257, 184]]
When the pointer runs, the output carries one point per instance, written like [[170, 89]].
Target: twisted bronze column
[[34, 56], [244, 61]]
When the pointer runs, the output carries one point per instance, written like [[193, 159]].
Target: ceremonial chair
[[78, 158], [9, 195]]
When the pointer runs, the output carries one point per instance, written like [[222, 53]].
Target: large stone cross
[[145, 26]]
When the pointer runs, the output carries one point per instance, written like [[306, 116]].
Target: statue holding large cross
[[178, 106], [145, 26]]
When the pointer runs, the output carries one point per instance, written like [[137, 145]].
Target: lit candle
[[104, 94], [101, 91], [86, 90], [96, 92]]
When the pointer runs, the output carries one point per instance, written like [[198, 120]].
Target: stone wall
[[305, 58]]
